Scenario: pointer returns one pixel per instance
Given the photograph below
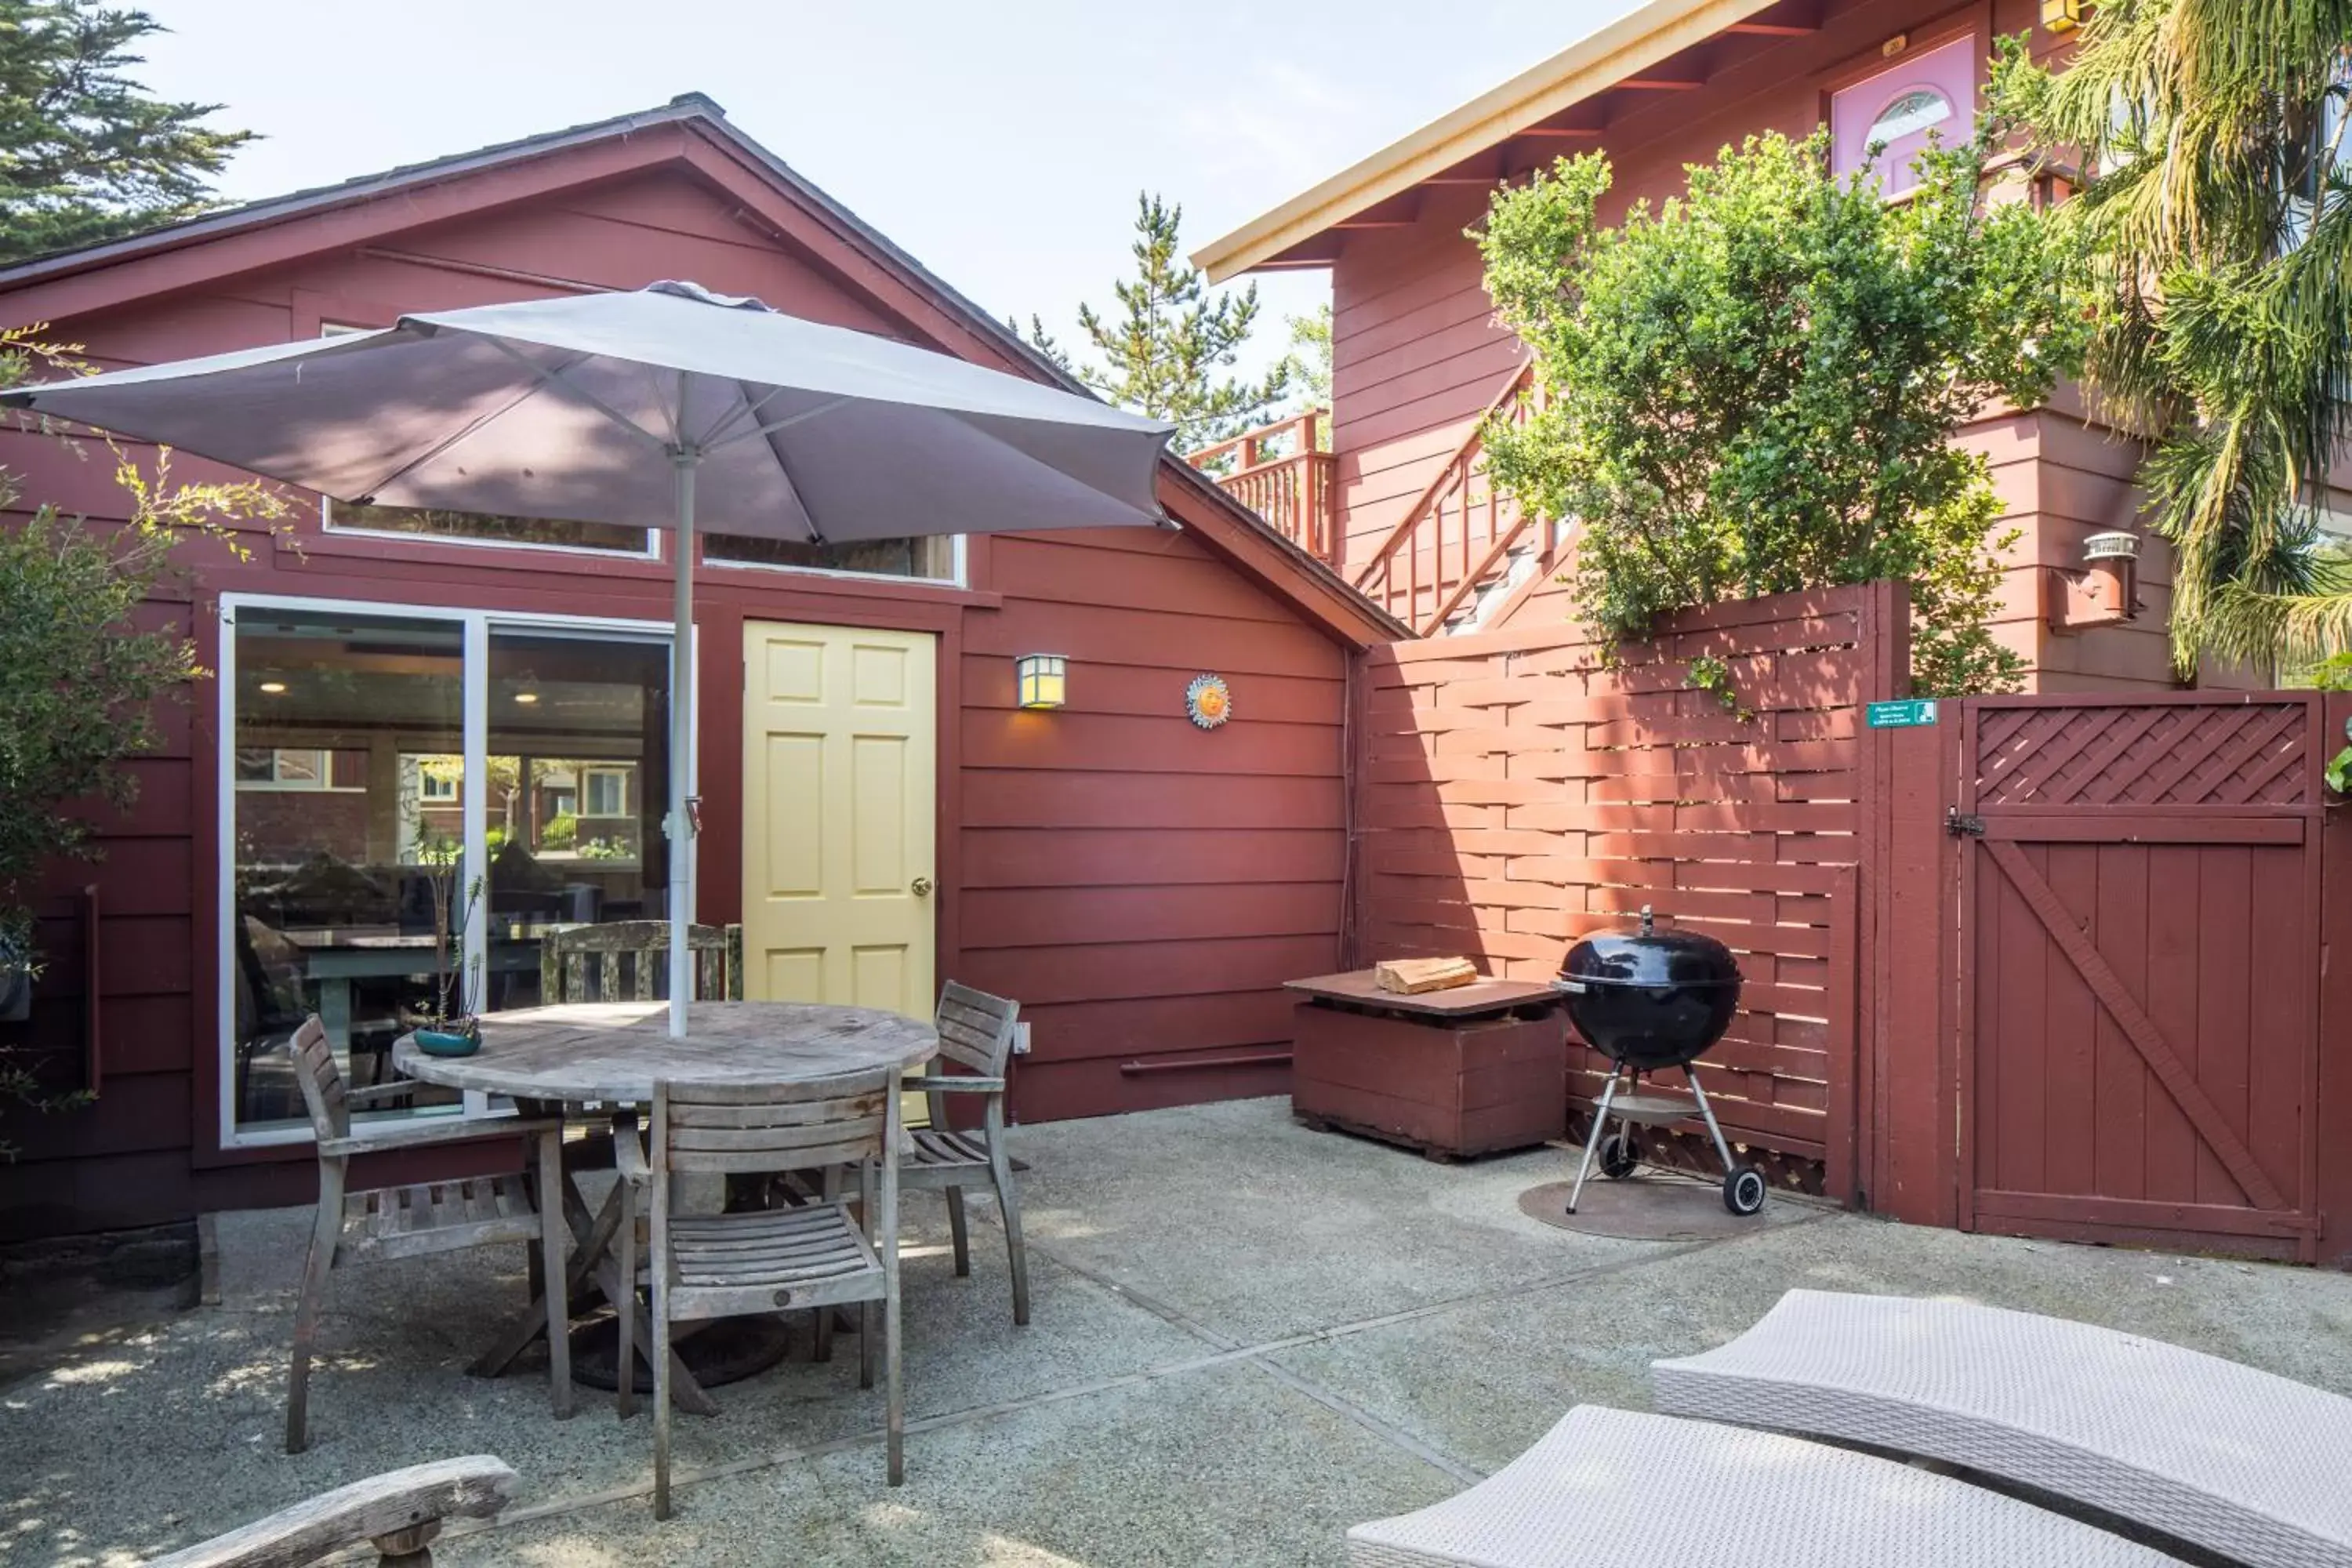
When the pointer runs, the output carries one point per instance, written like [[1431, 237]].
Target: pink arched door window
[[1931, 93]]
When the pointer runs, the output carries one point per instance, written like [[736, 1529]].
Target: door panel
[[840, 755], [2141, 958]]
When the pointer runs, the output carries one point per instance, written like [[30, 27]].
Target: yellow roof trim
[[1623, 48]]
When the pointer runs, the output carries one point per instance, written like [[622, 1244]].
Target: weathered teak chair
[[628, 961], [767, 1260], [384, 1223], [399, 1514], [976, 1032]]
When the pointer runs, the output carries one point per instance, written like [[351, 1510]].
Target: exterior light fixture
[[526, 697], [2106, 591], [1043, 679], [273, 687], [2062, 15]]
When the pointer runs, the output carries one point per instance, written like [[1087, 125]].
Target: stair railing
[[1457, 534]]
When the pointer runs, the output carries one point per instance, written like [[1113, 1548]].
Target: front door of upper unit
[[839, 771]]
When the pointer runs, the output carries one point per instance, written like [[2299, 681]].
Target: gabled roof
[[181, 254], [1617, 53]]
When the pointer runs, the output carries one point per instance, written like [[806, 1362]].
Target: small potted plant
[[451, 1030]]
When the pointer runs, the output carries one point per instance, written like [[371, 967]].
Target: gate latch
[[1960, 827]]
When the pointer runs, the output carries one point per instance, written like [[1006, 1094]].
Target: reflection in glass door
[[347, 735], [579, 781], [395, 775]]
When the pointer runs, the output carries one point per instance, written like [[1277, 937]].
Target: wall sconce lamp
[[1043, 679], [2106, 591], [2062, 15]]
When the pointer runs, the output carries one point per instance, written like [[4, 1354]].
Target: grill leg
[[1706, 1113], [1592, 1139]]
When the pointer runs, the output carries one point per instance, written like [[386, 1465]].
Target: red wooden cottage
[[1141, 885], [1398, 504]]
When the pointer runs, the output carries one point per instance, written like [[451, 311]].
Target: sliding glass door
[[414, 801]]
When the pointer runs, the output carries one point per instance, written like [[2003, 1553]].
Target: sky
[[1003, 145]]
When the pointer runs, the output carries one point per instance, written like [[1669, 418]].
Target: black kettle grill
[[1648, 1000]]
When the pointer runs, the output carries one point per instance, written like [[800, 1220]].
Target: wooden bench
[[399, 1514]]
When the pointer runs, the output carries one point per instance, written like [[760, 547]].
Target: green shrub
[[1752, 388]]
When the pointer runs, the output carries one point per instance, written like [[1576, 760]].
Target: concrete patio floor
[[1247, 1337]]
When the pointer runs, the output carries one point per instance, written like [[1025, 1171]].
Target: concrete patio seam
[[1225, 1350], [1260, 1355]]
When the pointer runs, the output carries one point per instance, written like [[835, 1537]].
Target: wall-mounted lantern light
[[2106, 591], [2062, 15], [1043, 679]]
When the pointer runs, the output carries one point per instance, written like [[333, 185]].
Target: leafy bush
[[1752, 389], [79, 677], [561, 831]]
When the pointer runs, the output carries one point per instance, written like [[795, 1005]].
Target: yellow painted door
[[839, 759]]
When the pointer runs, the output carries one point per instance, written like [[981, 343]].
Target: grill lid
[[1650, 957]]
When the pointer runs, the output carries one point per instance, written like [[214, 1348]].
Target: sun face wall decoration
[[1208, 701]]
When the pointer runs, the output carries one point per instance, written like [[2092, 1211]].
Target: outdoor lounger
[[2253, 1467], [1611, 1489]]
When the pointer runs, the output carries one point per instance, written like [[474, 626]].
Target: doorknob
[[920, 886]]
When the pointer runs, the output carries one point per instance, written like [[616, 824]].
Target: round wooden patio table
[[608, 1053], [602, 1052]]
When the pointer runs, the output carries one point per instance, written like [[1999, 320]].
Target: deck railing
[[1278, 472], [1457, 535]]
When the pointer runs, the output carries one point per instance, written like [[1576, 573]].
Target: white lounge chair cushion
[[1613, 1488], [2253, 1467]]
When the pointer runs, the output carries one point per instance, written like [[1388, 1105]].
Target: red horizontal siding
[[1142, 886]]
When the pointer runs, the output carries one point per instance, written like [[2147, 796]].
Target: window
[[291, 768], [363, 820], [481, 528], [1913, 110], [608, 792], [932, 557], [1888, 119]]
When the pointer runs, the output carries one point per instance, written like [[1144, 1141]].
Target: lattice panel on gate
[[2224, 753]]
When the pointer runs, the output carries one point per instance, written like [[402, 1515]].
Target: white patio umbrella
[[669, 408]]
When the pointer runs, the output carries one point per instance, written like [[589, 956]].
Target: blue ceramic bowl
[[446, 1043]]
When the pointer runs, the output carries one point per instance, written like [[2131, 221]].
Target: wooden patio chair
[[381, 1223], [767, 1260], [399, 1514], [976, 1033], [628, 961]]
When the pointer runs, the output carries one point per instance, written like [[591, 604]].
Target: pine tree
[[86, 154], [1310, 357], [1162, 354]]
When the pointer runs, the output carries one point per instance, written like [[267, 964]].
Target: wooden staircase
[[1459, 543], [1458, 538]]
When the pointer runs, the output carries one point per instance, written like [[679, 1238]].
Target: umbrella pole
[[681, 750]]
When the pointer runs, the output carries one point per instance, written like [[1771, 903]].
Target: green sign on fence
[[1902, 715]]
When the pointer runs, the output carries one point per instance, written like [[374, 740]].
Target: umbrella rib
[[720, 433], [555, 378], [769, 432], [418, 461], [785, 469]]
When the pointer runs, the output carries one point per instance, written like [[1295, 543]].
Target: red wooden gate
[[2139, 968]]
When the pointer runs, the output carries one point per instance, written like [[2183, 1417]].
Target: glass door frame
[[476, 627]]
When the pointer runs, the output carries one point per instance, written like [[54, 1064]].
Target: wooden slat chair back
[[977, 1032], [371, 1224], [815, 1256], [628, 961]]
